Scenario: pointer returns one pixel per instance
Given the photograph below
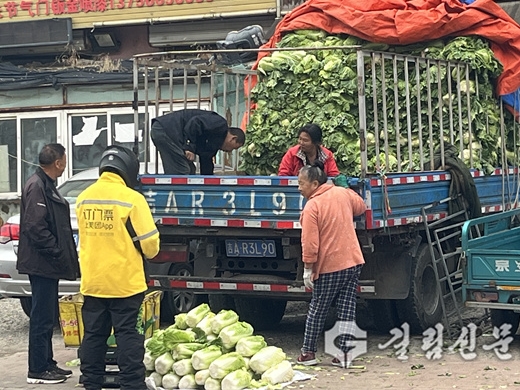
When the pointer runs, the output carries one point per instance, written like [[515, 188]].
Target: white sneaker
[[46, 377]]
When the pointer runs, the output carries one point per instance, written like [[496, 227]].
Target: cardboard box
[[71, 320]]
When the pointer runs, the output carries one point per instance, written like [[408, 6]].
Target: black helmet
[[121, 161]]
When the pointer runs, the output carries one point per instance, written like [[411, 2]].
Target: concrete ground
[[381, 369], [377, 368]]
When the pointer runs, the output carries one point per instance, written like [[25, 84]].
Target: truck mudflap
[[292, 290]]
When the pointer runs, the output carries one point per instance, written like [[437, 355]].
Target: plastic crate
[[71, 320]]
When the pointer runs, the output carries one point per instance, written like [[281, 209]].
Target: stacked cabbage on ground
[[213, 351], [298, 87]]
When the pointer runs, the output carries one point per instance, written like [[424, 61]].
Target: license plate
[[250, 248]]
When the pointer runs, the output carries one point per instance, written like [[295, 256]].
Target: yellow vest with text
[[111, 265]]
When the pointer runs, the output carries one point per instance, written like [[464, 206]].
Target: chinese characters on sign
[[12, 9], [503, 266]]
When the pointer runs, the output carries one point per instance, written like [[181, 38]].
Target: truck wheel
[[422, 308], [26, 303], [261, 313], [175, 302], [384, 314], [500, 317], [218, 302]]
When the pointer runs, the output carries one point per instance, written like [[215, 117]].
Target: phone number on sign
[[35, 8], [115, 4]]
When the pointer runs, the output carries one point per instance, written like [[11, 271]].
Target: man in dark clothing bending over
[[180, 135]]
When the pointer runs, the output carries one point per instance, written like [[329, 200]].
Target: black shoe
[[61, 371], [46, 377]]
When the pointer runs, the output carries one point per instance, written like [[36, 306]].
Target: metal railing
[[410, 108]]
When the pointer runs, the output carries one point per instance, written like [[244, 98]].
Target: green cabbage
[[180, 321], [164, 363], [234, 332], [212, 384], [173, 336], [266, 358], [280, 373], [156, 378], [195, 315], [322, 87], [149, 361], [236, 380], [223, 319], [188, 382], [183, 367], [185, 350], [248, 346], [170, 381], [225, 364], [202, 358], [156, 345], [201, 376], [205, 323]]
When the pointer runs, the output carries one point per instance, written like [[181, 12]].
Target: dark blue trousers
[[43, 315], [172, 155], [99, 316]]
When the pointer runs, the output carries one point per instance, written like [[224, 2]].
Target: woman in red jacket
[[307, 151]]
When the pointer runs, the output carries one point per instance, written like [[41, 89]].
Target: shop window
[[36, 133], [89, 139], [123, 133], [8, 165]]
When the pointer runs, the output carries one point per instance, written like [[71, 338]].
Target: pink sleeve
[[358, 205], [310, 234]]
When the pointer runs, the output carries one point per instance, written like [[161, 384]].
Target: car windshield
[[72, 188]]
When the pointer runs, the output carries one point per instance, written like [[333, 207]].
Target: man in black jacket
[[47, 253], [180, 135]]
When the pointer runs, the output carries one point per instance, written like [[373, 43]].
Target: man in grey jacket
[[47, 253]]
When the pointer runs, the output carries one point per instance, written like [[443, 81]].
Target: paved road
[[379, 368]]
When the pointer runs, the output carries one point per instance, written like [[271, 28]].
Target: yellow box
[[71, 320]]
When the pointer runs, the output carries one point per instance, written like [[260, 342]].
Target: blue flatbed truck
[[236, 239], [492, 266]]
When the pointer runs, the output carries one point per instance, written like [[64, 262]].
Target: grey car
[[14, 285]]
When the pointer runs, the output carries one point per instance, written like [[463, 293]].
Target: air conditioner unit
[[51, 36], [207, 31]]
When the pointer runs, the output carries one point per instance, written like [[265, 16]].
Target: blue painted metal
[[493, 259], [278, 201], [260, 202]]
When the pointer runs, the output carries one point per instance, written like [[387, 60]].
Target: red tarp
[[401, 22]]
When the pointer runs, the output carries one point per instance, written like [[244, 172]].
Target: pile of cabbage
[[321, 86], [215, 352]]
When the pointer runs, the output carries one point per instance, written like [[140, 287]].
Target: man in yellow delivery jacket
[[116, 230]]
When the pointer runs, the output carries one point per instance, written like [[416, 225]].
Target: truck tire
[[262, 313], [218, 302], [422, 308], [500, 317], [26, 303], [175, 302], [384, 314]]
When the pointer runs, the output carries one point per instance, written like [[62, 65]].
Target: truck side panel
[[493, 259], [274, 202]]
